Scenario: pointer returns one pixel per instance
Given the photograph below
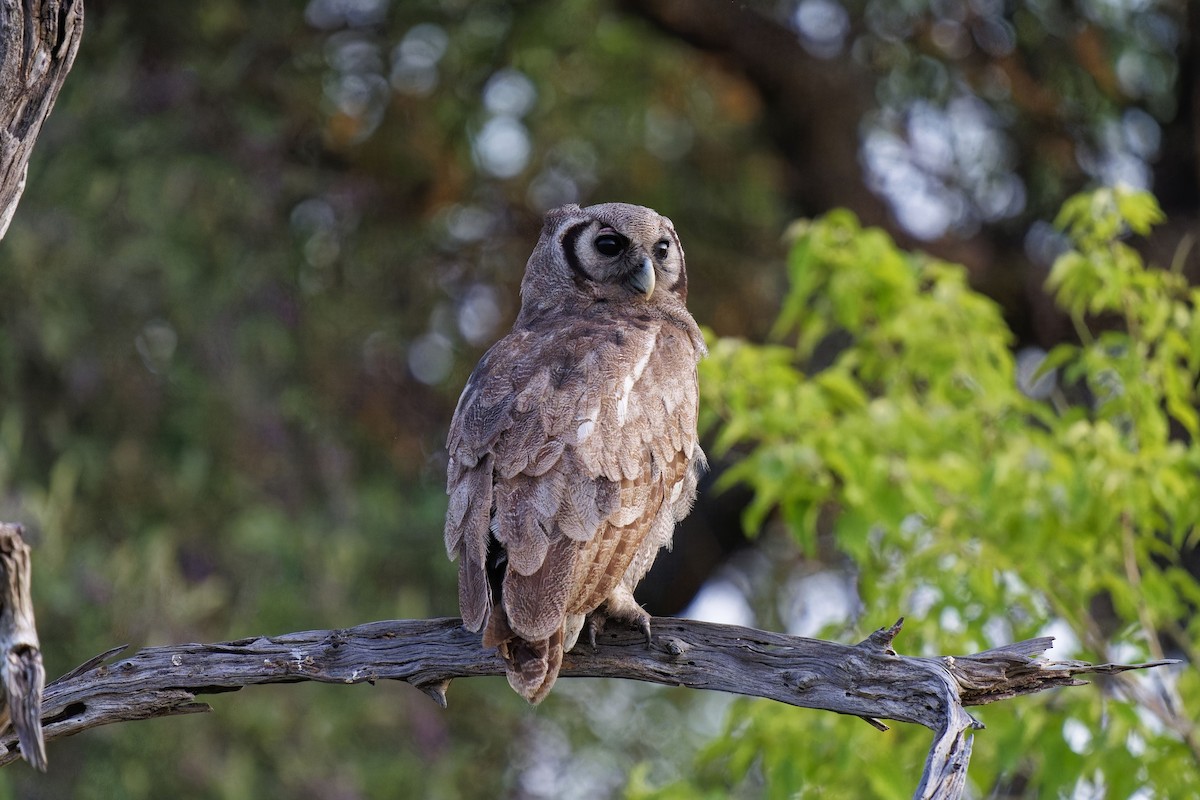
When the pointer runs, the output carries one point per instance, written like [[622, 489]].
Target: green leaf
[[1139, 209]]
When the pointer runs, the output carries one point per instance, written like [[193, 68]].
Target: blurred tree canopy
[[263, 244]]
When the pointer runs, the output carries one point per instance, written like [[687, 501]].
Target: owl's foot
[[621, 606], [597, 621]]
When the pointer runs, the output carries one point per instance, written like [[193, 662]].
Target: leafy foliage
[[986, 504]]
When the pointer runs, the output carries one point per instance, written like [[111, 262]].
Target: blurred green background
[[263, 244]]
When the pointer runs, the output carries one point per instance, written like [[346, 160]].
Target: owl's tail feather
[[532, 667]]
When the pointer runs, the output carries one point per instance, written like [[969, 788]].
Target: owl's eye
[[609, 244], [661, 249]]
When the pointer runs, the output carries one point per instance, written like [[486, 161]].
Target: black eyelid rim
[[621, 240], [662, 247]]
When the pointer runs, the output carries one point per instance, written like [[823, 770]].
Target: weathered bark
[[38, 43], [21, 671], [867, 680]]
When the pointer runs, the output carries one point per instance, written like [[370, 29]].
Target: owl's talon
[[645, 626], [595, 623]]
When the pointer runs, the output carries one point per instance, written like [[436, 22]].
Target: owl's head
[[613, 252]]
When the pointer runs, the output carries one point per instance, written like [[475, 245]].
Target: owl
[[573, 452]]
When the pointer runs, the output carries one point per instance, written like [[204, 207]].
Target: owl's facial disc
[[637, 272]]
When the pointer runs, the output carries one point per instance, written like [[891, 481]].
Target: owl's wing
[[562, 451], [483, 415]]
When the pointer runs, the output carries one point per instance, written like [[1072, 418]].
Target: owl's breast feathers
[[572, 455]]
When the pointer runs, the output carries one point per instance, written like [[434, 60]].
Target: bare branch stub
[[38, 43], [21, 671]]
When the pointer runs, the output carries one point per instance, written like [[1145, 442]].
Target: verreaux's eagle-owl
[[573, 449]]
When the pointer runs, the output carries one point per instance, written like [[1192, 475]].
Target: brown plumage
[[573, 449]]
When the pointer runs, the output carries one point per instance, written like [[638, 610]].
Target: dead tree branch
[[38, 43], [867, 680]]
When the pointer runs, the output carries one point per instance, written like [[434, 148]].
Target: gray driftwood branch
[[38, 43], [867, 680]]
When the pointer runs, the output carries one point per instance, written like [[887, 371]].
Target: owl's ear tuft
[[556, 215]]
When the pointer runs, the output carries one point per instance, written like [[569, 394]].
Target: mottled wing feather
[[608, 556], [474, 597], [534, 603], [484, 412], [507, 477]]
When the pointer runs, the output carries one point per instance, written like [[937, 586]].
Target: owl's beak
[[641, 280]]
